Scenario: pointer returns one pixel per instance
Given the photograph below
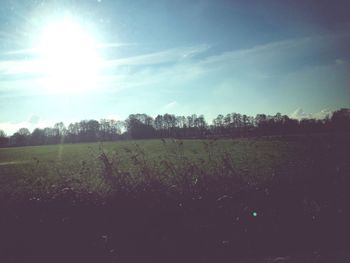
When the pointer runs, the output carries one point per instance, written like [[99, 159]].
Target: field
[[173, 200], [40, 169]]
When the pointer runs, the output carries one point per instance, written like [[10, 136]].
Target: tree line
[[143, 126]]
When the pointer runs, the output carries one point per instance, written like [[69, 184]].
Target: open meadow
[[81, 167], [41, 170]]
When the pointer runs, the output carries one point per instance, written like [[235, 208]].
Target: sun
[[68, 57]]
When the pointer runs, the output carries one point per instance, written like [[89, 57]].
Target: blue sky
[[180, 57]]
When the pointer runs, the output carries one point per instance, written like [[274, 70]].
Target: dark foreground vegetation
[[143, 126], [182, 211]]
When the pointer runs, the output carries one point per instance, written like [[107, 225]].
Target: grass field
[[40, 169], [225, 200]]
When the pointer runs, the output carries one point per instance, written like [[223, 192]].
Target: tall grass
[[173, 172]]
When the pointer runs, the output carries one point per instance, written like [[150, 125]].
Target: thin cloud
[[34, 119], [166, 56], [279, 52], [25, 51], [170, 105], [300, 114], [263, 62], [28, 51], [114, 45], [339, 61]]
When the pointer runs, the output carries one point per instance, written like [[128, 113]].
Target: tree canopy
[[143, 126]]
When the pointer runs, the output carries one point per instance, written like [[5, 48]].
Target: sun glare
[[69, 57]]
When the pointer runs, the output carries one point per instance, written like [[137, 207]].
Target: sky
[[74, 60]]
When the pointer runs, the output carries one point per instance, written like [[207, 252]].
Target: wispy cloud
[[274, 59], [24, 51], [114, 45], [340, 61], [28, 51], [170, 105], [300, 114], [166, 56], [273, 55], [259, 62]]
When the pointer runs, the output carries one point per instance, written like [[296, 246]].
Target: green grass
[[39, 169], [44, 170]]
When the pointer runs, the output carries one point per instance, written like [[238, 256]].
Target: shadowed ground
[[299, 213]]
